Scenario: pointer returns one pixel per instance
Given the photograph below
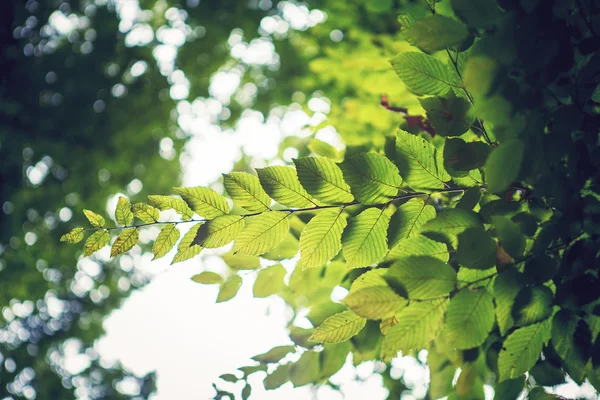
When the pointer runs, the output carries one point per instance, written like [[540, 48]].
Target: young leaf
[[229, 288], [509, 235], [470, 318], [125, 241], [435, 32], [422, 277], [378, 302], [165, 241], [322, 178], [449, 115], [419, 246], [373, 178], [123, 213], [175, 203], [95, 219], [207, 278], [204, 201], [95, 242], [408, 219], [185, 249], [339, 328], [241, 261], [420, 164], [418, 324], [145, 212], [364, 241], [476, 249], [320, 240], [219, 231], [448, 224], [282, 184], [246, 191], [269, 281], [263, 232], [506, 287], [274, 355], [521, 350], [503, 165], [424, 74], [74, 236]]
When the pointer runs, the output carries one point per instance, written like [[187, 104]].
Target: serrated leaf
[[435, 32], [229, 288], [364, 242], [282, 184], [424, 74], [204, 201], [418, 324], [95, 242], [323, 179], [175, 203], [373, 178], [509, 235], [241, 261], [378, 302], [207, 278], [476, 249], [419, 246], [74, 236], [185, 248], [286, 249], [504, 164], [246, 191], [96, 220], [408, 219], [145, 212], [419, 163], [219, 231], [125, 241], [449, 115], [123, 213], [269, 281], [372, 278], [448, 224], [469, 318], [339, 328], [506, 287], [324, 149], [522, 349], [278, 377], [274, 355], [533, 304], [422, 277], [168, 236], [263, 233], [320, 240], [474, 278]]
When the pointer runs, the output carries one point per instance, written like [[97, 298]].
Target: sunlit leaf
[[241, 261], [168, 236], [262, 233], [229, 288], [74, 236], [95, 219], [282, 184], [306, 369], [320, 240], [424, 74], [185, 248], [364, 241], [286, 249], [145, 212], [269, 281], [533, 304], [246, 191], [123, 213], [379, 302], [419, 246], [207, 278], [422, 277], [373, 178], [219, 231], [125, 241], [339, 328], [522, 349], [95, 242], [323, 179], [469, 318], [204, 201], [448, 224], [175, 203], [408, 219]]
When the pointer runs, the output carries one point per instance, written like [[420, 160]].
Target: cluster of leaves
[[479, 244]]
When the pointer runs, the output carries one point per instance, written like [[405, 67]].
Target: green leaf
[[320, 240], [204, 201], [241, 261], [503, 165], [168, 236], [422, 277], [435, 32], [572, 340], [246, 191], [219, 231], [263, 233], [470, 199], [322, 178], [286, 249], [125, 241], [506, 287], [424, 74], [477, 13], [418, 324], [533, 304], [408, 219], [74, 236], [364, 241], [207, 278], [522, 349], [378, 302], [185, 248], [373, 178], [510, 389], [470, 318], [448, 224], [229, 377], [278, 377], [229, 288], [420, 164], [461, 157], [324, 149], [419, 246], [145, 212], [474, 278], [269, 281], [175, 203], [449, 115], [339, 328], [274, 355], [95, 219], [333, 357], [123, 213], [246, 391], [282, 184], [95, 242], [509, 235], [372, 278], [306, 369], [476, 249]]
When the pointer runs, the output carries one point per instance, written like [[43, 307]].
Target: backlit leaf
[[207, 278], [533, 304], [422, 277], [322, 178], [229, 288], [219, 231], [96, 220], [373, 178], [448, 224], [424, 74], [408, 219], [241, 261], [124, 242], [506, 287], [278, 377], [204, 201], [246, 191], [379, 302], [262, 233], [185, 248], [521, 350], [306, 369], [469, 318], [282, 184], [274, 355], [95, 242], [168, 236], [324, 149], [419, 246], [175, 203], [286, 249], [320, 240], [364, 241], [145, 212], [269, 281], [123, 213], [74, 236], [338, 328]]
